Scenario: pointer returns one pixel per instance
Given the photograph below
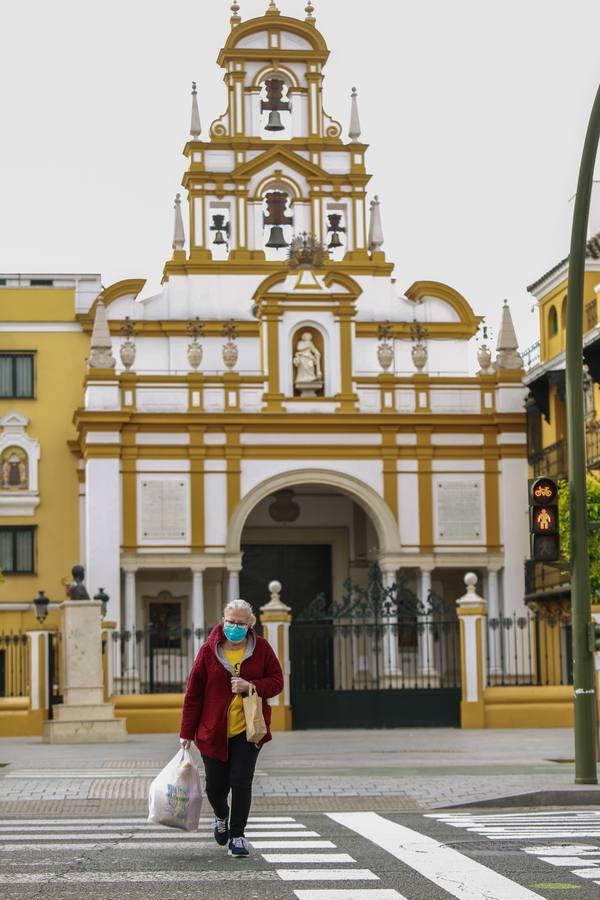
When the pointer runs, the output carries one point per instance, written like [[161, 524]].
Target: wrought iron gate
[[380, 658]]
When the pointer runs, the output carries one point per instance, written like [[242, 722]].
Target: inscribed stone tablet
[[164, 510], [459, 510]]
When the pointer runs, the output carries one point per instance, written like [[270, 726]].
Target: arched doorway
[[365, 651]]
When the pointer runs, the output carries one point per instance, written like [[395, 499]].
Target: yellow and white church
[[280, 410]]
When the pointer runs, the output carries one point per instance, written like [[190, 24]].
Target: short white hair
[[241, 606]]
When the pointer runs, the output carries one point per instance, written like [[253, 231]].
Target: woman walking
[[233, 659]]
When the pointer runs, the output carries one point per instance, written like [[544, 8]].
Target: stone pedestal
[[276, 619], [84, 717]]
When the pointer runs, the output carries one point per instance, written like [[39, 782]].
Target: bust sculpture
[[77, 590], [307, 360]]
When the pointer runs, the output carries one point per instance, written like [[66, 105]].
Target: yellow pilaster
[[233, 456], [425, 487], [492, 491], [389, 452], [128, 469], [197, 457]]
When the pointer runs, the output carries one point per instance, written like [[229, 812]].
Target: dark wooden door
[[304, 570]]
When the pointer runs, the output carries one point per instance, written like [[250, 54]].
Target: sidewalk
[[303, 771]]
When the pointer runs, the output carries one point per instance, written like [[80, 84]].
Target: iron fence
[[14, 664], [153, 660], [376, 655], [532, 648], [55, 671]]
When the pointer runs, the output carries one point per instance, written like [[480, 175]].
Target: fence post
[[276, 619], [471, 611], [596, 619]]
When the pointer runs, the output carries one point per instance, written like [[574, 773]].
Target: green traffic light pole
[[583, 656]]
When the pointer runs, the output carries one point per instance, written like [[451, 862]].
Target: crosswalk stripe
[[564, 850], [307, 858], [459, 875], [119, 845], [171, 876], [173, 834], [568, 861], [291, 845], [353, 894], [131, 820], [327, 875]]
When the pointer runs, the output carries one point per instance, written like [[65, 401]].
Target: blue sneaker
[[221, 831], [238, 847]]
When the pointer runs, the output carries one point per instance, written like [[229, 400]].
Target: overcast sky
[[475, 112]]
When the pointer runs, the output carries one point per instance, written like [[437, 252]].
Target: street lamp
[[103, 597], [41, 603], [583, 645]]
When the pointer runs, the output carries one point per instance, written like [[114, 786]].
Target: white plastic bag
[[175, 794]]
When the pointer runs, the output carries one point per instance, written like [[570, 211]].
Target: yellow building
[[545, 379], [280, 409]]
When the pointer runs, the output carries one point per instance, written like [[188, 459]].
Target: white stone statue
[[307, 361]]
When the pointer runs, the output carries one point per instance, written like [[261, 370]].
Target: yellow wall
[[59, 376], [551, 345]]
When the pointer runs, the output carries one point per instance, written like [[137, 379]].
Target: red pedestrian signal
[[543, 519]]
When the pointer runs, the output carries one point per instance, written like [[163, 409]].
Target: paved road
[[326, 856]]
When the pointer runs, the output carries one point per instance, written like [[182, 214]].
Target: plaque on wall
[[163, 510], [459, 510]]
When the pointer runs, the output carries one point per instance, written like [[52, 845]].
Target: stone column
[[198, 620], [130, 617], [493, 613], [83, 717], [233, 584], [425, 648], [391, 667], [276, 618], [471, 611]]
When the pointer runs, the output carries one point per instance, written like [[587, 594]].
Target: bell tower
[[275, 165]]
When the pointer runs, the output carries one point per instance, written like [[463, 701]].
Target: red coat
[[208, 693]]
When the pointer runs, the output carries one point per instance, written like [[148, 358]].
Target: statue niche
[[14, 469], [308, 355]]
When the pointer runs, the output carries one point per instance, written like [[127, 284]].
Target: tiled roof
[[592, 252]]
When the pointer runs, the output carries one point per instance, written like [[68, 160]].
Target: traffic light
[[543, 519]]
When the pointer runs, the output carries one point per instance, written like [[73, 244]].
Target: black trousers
[[235, 775]]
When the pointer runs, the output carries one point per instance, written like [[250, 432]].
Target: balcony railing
[[531, 356], [551, 460], [545, 579]]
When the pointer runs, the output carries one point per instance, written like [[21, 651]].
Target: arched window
[[552, 322], [563, 314]]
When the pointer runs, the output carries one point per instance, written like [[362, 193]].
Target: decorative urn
[[385, 350], [419, 356], [230, 348], [484, 358], [127, 349], [195, 352]]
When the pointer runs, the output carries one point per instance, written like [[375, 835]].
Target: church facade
[[281, 408]]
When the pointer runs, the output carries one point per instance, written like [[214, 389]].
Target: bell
[[276, 238], [219, 239], [274, 123], [335, 242]]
